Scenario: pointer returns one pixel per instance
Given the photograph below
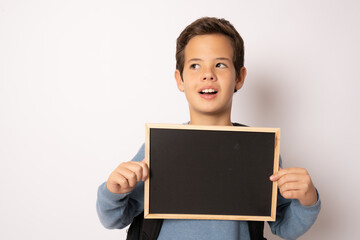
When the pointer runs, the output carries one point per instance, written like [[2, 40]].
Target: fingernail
[[272, 177]]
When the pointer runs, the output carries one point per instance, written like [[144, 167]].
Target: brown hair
[[210, 25]]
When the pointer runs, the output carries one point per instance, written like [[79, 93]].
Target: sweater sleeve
[[292, 218], [118, 210]]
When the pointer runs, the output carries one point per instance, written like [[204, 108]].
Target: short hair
[[210, 25]]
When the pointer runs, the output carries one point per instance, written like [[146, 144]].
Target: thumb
[[276, 176]]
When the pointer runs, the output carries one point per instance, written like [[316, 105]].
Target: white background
[[79, 78]]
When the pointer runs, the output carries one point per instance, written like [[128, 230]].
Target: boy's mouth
[[209, 91]]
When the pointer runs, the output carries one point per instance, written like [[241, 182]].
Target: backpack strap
[[256, 230], [144, 229]]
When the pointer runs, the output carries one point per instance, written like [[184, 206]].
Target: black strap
[[144, 229], [256, 230]]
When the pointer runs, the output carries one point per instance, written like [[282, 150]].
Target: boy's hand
[[125, 177], [295, 183]]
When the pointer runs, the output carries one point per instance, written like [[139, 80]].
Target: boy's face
[[209, 77]]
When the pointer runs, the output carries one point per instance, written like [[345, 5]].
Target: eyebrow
[[223, 58], [199, 59], [194, 60]]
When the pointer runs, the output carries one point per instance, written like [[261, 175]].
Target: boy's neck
[[210, 120]]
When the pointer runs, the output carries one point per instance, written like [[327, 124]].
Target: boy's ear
[[179, 81], [241, 79]]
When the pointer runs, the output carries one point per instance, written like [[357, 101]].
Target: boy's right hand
[[125, 177]]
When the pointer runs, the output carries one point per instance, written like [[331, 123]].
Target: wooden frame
[[249, 131]]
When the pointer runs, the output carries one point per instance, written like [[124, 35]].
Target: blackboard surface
[[210, 173]]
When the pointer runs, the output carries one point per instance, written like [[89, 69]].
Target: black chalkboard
[[204, 172]]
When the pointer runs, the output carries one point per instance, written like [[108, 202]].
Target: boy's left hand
[[295, 183]]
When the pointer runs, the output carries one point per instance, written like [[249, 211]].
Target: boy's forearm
[[118, 210], [112, 208], [294, 219]]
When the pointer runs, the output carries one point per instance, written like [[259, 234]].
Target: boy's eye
[[194, 66], [220, 65]]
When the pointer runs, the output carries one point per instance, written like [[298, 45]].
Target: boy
[[209, 69]]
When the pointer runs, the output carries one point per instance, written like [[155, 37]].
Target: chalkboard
[[211, 172]]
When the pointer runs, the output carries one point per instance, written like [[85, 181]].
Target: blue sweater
[[118, 210]]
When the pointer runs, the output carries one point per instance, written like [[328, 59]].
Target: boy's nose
[[208, 78], [209, 75]]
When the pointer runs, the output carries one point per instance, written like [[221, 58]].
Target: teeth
[[208, 91]]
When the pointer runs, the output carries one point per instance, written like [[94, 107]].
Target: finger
[[136, 168], [285, 171], [130, 177], [292, 186], [145, 169], [293, 194], [277, 175], [300, 178], [117, 182], [287, 178]]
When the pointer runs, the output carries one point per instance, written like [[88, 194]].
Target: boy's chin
[[211, 112]]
